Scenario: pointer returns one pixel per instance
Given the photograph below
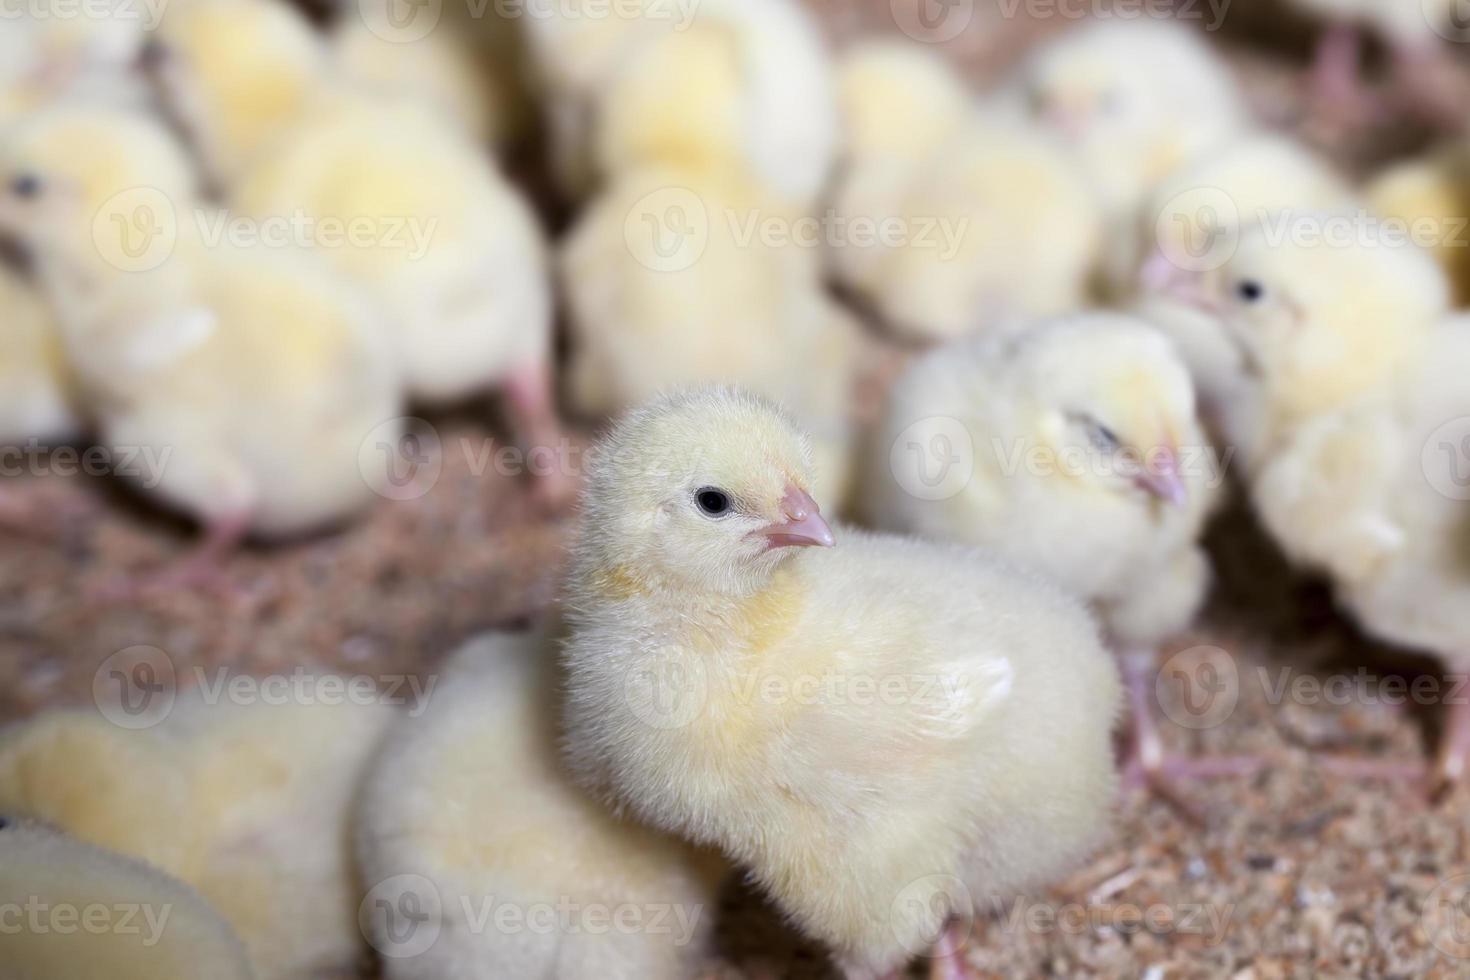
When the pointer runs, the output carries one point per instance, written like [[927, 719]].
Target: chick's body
[[473, 796], [983, 766], [157, 928], [1430, 198], [37, 400]]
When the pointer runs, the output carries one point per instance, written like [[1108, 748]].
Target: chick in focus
[[1430, 198], [250, 377], [671, 280], [473, 797], [985, 767], [1355, 456], [248, 801], [156, 928], [1070, 445]]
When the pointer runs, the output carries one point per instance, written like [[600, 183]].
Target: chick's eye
[[1250, 291], [1102, 437], [25, 186], [713, 502]]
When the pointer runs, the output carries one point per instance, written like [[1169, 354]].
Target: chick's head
[[703, 492], [1108, 398]]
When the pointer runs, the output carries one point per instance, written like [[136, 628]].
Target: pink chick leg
[[948, 958], [1337, 76], [1148, 764], [533, 407], [201, 568]]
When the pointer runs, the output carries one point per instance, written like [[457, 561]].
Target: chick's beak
[[804, 526], [1161, 275], [1161, 478]]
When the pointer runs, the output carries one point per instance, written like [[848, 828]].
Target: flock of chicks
[[1065, 324]]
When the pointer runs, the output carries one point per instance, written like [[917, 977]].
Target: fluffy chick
[[49, 51], [664, 288], [1356, 463], [37, 400], [701, 625], [246, 801], [1070, 445], [998, 223], [1192, 220], [1431, 198], [157, 928], [473, 796], [1134, 100], [251, 374]]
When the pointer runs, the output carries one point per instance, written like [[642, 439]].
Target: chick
[[233, 74], [998, 223], [1356, 466], [1070, 445], [88, 914], [36, 396], [868, 728], [253, 376], [670, 281], [50, 51], [454, 255], [245, 799], [473, 797], [1192, 220], [1430, 198], [1134, 100]]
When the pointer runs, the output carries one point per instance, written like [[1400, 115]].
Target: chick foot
[[199, 570], [529, 392]]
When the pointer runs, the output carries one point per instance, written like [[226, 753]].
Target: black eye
[[26, 186], [1250, 291], [4, 822], [714, 503]]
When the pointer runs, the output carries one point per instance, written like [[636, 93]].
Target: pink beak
[[804, 526], [1160, 275], [1161, 478]]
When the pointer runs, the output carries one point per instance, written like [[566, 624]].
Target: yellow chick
[[676, 279], [882, 732], [451, 251], [998, 223], [1070, 445], [1192, 221], [242, 381], [1134, 100], [83, 913], [470, 812], [37, 400], [1430, 199], [1357, 458], [243, 792], [234, 74]]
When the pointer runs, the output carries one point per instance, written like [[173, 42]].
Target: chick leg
[[1454, 744], [1337, 75], [201, 568], [533, 407], [948, 958]]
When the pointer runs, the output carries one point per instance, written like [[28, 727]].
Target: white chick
[[664, 288], [1192, 220], [743, 83], [37, 400], [88, 914], [998, 223], [1357, 459], [248, 376], [1429, 198], [1134, 100], [52, 51], [247, 799], [1070, 445], [454, 254], [872, 729], [473, 799]]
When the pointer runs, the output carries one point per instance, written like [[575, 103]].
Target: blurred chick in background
[[1430, 196], [473, 796], [703, 562], [1358, 434], [247, 802], [50, 50], [454, 256], [1083, 458], [1191, 221], [156, 928], [249, 376], [670, 280], [1134, 100]]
